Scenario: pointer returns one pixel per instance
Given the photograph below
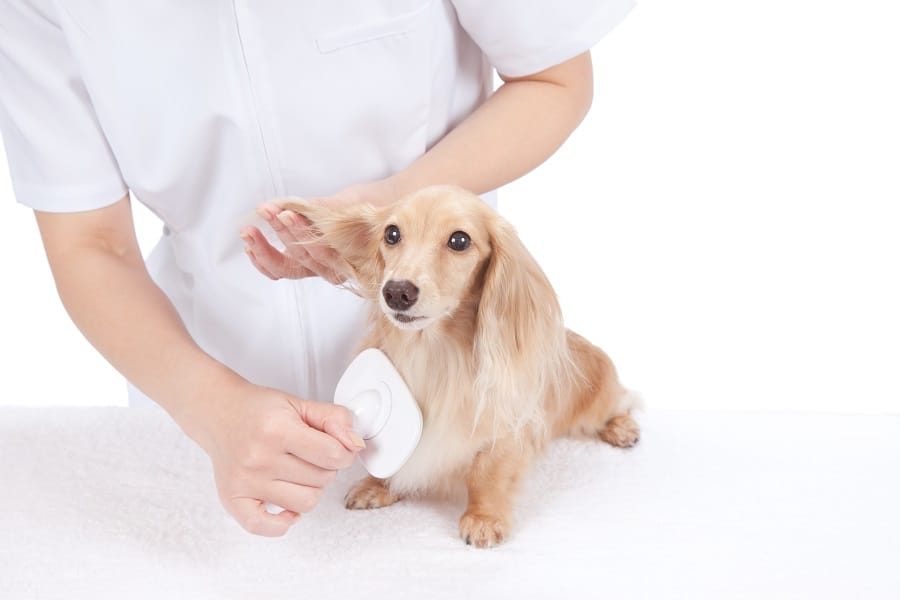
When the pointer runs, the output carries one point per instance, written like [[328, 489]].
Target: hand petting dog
[[302, 257]]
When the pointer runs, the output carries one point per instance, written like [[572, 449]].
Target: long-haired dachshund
[[471, 322]]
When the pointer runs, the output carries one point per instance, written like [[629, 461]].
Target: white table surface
[[117, 503]]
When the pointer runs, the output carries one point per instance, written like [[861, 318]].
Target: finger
[[316, 257], [293, 497], [267, 258], [258, 266], [309, 237], [290, 468], [263, 255], [318, 448], [319, 250], [302, 265], [269, 213], [304, 229], [331, 267], [251, 514], [295, 262], [252, 236], [296, 226], [335, 420], [282, 222], [301, 238], [324, 271], [320, 259]]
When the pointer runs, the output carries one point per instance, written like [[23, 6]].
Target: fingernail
[[247, 239], [356, 440], [264, 212], [286, 217]]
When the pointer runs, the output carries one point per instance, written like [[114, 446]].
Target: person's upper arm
[[59, 158], [523, 37], [109, 229]]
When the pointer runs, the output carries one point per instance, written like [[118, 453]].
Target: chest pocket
[[369, 87], [379, 29]]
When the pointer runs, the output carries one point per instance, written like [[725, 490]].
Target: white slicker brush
[[385, 414]]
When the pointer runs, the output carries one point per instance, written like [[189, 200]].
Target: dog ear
[[352, 230], [521, 350]]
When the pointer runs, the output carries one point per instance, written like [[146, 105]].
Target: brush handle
[[371, 408], [272, 509]]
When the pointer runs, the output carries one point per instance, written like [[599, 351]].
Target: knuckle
[[255, 457], [271, 430], [251, 459]]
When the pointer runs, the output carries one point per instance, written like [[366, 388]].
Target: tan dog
[[473, 325]]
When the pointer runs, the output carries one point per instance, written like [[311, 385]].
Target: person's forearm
[[522, 124], [109, 295]]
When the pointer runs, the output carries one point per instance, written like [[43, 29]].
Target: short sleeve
[[522, 37], [59, 158]]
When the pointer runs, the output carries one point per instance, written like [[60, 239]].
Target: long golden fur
[[481, 345]]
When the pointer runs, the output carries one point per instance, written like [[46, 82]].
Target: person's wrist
[[399, 184], [378, 193], [205, 395]]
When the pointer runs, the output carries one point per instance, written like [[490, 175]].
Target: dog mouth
[[408, 322], [402, 318]]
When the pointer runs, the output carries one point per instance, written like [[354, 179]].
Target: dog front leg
[[370, 492], [492, 482]]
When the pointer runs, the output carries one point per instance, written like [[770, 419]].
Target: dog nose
[[400, 295]]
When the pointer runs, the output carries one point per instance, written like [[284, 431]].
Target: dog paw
[[482, 531], [369, 493], [621, 431]]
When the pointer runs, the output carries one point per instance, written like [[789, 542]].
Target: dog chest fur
[[434, 369]]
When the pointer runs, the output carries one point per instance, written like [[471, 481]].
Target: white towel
[[118, 503]]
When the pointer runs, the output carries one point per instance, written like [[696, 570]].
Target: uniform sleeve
[[522, 37], [59, 158]]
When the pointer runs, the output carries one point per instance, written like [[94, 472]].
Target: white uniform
[[204, 109]]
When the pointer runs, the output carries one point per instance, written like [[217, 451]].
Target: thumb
[[332, 419], [252, 516]]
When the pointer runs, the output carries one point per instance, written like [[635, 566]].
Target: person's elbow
[[573, 82]]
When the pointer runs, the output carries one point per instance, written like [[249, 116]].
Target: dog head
[[432, 249]]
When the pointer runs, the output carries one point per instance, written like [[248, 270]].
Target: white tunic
[[203, 109]]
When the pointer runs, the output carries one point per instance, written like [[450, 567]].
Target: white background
[[723, 223]]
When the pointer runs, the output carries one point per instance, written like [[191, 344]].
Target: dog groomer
[[206, 110]]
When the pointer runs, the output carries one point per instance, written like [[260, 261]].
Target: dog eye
[[459, 241], [392, 234]]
